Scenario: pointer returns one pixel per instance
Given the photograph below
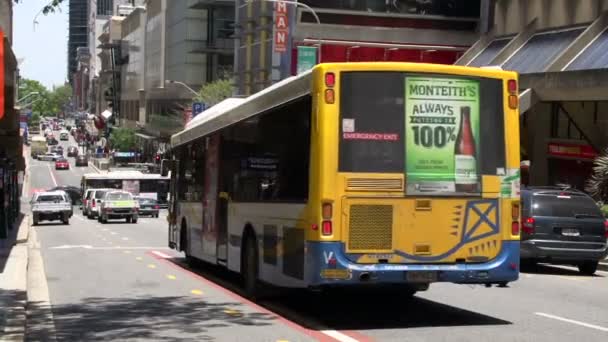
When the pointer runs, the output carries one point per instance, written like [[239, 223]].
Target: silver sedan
[[49, 157]]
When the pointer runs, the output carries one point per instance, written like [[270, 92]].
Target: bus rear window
[[442, 131]]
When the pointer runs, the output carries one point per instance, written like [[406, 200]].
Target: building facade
[[559, 49], [269, 35], [183, 43], [78, 33]]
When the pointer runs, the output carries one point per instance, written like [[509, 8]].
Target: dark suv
[[563, 227]]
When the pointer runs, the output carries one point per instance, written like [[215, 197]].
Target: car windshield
[[146, 201], [99, 194], [49, 198], [118, 196]]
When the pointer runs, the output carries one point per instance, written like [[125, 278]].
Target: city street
[[120, 282]]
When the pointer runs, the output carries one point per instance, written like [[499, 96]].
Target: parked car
[[82, 160], [51, 141], [148, 206], [74, 192], [62, 164], [118, 204], [562, 227], [49, 156], [51, 206], [72, 151], [95, 202]]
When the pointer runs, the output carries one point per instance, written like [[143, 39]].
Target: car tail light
[[528, 226], [157, 206], [93, 204], [326, 228], [606, 228]]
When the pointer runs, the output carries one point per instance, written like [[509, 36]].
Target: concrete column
[[539, 133]]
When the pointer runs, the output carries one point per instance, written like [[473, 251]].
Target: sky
[[44, 49]]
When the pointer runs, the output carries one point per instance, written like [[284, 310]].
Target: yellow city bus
[[355, 174]]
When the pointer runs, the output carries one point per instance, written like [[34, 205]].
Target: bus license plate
[[421, 276]]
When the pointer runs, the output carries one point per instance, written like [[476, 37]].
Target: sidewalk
[[13, 281]]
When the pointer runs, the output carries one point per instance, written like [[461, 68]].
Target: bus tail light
[[512, 87], [326, 228], [513, 101], [528, 226], [327, 211], [515, 228], [330, 79], [330, 96], [606, 228]]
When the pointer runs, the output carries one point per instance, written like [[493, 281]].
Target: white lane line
[[571, 321], [161, 255], [52, 175], [125, 238], [338, 336], [106, 248], [113, 233]]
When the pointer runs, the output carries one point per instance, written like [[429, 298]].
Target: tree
[[122, 139], [59, 98], [51, 7], [35, 119], [597, 186], [39, 102], [215, 92]]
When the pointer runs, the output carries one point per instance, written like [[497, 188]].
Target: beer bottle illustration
[[465, 155]]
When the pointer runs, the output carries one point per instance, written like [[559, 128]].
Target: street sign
[[307, 58], [197, 108]]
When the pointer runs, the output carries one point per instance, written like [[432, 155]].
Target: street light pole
[[310, 9], [183, 85], [28, 95]]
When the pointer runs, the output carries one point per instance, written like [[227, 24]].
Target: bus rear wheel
[[249, 268]]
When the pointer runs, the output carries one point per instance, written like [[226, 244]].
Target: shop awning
[[579, 85], [538, 52], [490, 52], [594, 56]]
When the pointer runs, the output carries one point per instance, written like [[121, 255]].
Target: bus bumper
[[327, 264]]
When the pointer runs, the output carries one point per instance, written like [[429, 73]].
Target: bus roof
[[123, 175], [279, 93], [38, 138]]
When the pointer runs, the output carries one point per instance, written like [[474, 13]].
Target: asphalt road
[[119, 282]]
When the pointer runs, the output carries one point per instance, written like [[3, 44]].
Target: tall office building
[[78, 32]]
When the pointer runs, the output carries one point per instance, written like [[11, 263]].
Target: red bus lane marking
[[322, 335]]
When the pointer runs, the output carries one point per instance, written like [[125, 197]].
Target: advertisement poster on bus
[[442, 139]]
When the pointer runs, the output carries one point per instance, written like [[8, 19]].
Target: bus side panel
[[191, 214], [279, 232]]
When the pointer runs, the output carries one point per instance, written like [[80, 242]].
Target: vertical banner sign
[[2, 74], [442, 139], [281, 27], [307, 58]]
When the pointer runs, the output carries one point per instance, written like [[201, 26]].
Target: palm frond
[[597, 185]]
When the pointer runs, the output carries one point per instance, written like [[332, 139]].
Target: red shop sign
[[572, 150]]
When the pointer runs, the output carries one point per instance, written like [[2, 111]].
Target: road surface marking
[[171, 277], [113, 233], [338, 336], [161, 255], [232, 312], [139, 258], [197, 292], [572, 278], [52, 175], [151, 266], [106, 247], [583, 324], [127, 252], [125, 238]]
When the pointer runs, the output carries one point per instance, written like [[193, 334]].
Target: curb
[[603, 266], [92, 165]]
